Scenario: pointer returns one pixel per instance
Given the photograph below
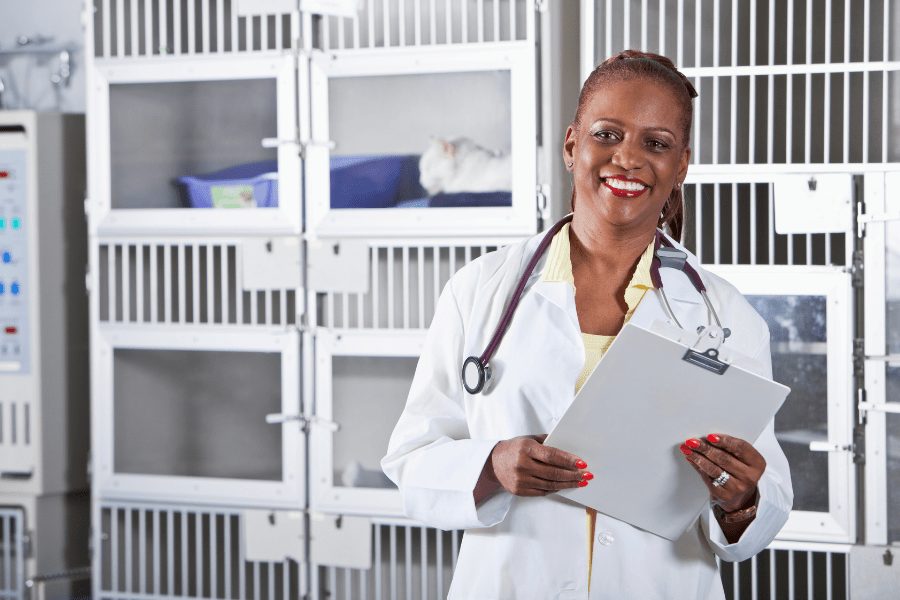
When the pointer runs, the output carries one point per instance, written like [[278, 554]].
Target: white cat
[[461, 165]]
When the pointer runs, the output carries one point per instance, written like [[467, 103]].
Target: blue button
[[2, 288], [7, 257], [14, 288], [2, 223], [16, 223]]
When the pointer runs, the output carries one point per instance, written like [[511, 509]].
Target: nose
[[628, 155]]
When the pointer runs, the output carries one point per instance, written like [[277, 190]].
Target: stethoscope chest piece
[[475, 374]]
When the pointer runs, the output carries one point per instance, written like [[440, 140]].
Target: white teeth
[[628, 186]]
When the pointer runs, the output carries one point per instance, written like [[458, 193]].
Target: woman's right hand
[[525, 467]]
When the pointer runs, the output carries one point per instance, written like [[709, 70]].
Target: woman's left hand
[[716, 453]]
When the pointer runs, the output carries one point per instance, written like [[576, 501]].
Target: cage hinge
[[859, 357], [859, 444], [542, 6], [542, 192], [856, 269], [27, 546]]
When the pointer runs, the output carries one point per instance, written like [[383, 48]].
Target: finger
[[724, 460], [557, 474], [737, 447], [552, 485], [555, 457], [705, 466], [530, 486]]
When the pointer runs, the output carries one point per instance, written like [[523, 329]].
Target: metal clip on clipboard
[[705, 351]]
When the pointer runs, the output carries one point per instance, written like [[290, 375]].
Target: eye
[[605, 134], [657, 144]]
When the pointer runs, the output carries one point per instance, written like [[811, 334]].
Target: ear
[[683, 164], [452, 149], [569, 149]]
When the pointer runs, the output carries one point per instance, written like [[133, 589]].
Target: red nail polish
[[582, 483], [692, 443], [713, 438], [581, 464], [587, 475], [685, 449]]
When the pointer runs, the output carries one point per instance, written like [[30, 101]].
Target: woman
[[476, 462]]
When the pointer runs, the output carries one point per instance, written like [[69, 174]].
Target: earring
[[571, 164], [678, 185]]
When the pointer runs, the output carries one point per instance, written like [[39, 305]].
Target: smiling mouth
[[623, 187]]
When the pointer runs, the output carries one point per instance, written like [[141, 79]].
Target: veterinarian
[[475, 461]]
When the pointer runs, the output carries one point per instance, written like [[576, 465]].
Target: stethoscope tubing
[[482, 363], [503, 325]]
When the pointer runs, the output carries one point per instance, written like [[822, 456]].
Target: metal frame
[[104, 220], [874, 405], [290, 492], [520, 219], [324, 495], [12, 554], [839, 524]]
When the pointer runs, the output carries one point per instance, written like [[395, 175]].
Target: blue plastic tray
[[253, 185]]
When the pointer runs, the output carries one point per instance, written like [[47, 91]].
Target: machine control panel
[[15, 290]]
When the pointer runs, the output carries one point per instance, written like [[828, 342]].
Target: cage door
[[422, 143], [189, 415], [809, 314], [195, 145], [362, 382]]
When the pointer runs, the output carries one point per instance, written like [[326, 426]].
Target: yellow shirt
[[559, 268]]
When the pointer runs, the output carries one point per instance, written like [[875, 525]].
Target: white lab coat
[[535, 548]]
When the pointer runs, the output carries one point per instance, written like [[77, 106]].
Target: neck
[[608, 248]]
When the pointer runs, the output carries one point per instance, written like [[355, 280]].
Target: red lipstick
[[621, 192]]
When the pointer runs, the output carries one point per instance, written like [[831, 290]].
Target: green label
[[233, 196]]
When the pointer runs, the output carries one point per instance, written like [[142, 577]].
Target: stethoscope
[[476, 370]]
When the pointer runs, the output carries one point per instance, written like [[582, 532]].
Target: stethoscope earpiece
[[475, 375]]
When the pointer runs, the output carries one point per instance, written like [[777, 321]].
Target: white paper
[[638, 406]]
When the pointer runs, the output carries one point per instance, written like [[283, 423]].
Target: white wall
[[27, 82]]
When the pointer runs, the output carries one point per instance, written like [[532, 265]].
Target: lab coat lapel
[[557, 293], [685, 301]]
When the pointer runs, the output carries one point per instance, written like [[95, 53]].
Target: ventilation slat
[[159, 283]]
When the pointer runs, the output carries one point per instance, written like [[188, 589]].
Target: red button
[[11, 330], [4, 174]]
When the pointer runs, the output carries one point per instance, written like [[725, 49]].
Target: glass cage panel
[[893, 461], [197, 413], [892, 289], [368, 395], [193, 144], [797, 325], [439, 140], [892, 392]]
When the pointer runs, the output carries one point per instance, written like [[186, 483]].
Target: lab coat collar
[[686, 302], [558, 293]]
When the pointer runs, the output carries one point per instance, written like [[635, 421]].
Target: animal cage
[[789, 91]]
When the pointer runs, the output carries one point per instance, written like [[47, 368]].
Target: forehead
[[637, 103]]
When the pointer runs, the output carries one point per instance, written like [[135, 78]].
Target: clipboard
[[652, 390]]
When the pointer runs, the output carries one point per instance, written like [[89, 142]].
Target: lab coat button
[[606, 538]]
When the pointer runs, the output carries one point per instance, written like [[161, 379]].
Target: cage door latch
[[305, 422]]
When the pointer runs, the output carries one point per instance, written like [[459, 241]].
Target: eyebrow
[[618, 122]]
